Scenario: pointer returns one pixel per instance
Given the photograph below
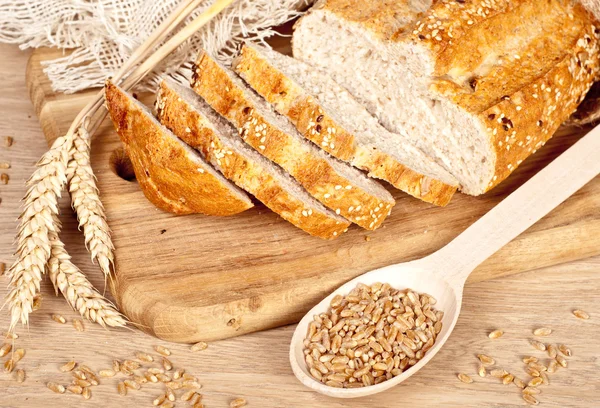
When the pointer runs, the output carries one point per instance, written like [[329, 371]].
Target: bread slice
[[172, 175], [477, 85], [328, 115], [338, 186], [194, 121]]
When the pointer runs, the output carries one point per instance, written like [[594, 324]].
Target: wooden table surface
[[255, 366]]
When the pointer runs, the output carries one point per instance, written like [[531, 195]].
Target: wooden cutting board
[[192, 278]]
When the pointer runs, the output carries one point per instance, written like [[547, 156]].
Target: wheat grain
[[552, 350], [4, 165], [140, 379], [78, 325], [530, 359], [195, 400], [9, 365], [463, 378], [544, 377], [542, 332], [163, 351], [565, 350], [519, 383], [77, 289], [170, 394], [481, 370], [37, 303], [199, 346], [116, 366], [167, 364], [57, 388], [186, 396], [552, 366], [5, 349], [535, 382], [87, 393], [82, 383], [75, 389], [80, 375], [59, 319], [487, 360], [537, 366], [159, 400], [538, 345], [9, 335], [2, 268], [507, 379], [495, 334], [20, 375], [168, 404], [580, 314], [4, 178], [132, 384], [86, 202], [498, 373], [163, 377], [121, 388], [131, 365], [8, 141], [145, 357], [562, 361], [178, 373], [530, 399], [107, 373], [37, 221], [237, 403]]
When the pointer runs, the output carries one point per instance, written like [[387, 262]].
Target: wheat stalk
[[76, 288], [37, 222], [86, 202]]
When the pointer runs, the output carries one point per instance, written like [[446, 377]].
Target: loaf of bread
[[172, 176], [478, 85], [338, 186], [196, 123]]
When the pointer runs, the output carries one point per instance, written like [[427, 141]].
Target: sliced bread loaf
[[172, 175], [338, 186], [478, 85], [194, 121], [327, 114]]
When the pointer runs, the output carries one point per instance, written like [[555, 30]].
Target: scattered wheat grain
[[170, 395], [68, 367], [116, 366], [237, 403], [465, 378], [507, 379], [87, 393], [530, 399], [538, 345], [82, 383], [107, 373], [59, 319], [495, 334], [535, 382], [542, 332], [163, 377], [531, 390], [537, 366], [199, 346], [4, 165], [481, 370], [186, 396], [121, 388], [580, 314], [195, 400], [552, 350], [79, 375], [57, 388], [159, 400], [37, 303], [9, 335], [498, 373], [168, 404], [565, 350], [78, 324], [167, 364], [545, 379], [487, 360], [20, 375], [18, 355], [145, 357], [8, 141], [131, 365], [132, 384], [178, 374], [4, 178], [9, 365], [163, 351], [5, 349], [519, 383], [75, 389], [528, 360], [562, 361], [552, 366]]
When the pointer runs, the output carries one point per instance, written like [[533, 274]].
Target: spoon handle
[[521, 209]]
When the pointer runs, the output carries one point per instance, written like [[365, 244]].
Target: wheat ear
[[76, 288], [86, 202], [37, 222]]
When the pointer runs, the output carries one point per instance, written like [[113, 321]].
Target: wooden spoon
[[443, 273]]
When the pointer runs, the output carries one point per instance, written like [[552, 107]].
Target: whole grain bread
[[338, 186], [195, 122], [328, 115], [478, 85], [172, 175]]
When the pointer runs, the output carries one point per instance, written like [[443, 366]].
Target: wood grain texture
[[195, 278], [256, 366]]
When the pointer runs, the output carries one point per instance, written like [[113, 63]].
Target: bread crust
[[316, 174], [493, 59], [169, 178], [196, 130], [317, 125]]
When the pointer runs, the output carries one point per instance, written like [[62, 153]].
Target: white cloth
[[103, 33]]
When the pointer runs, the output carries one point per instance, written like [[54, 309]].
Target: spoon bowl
[[417, 276], [443, 274]]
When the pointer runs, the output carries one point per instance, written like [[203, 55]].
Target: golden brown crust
[[175, 113], [492, 58], [317, 125], [315, 173], [169, 178]]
